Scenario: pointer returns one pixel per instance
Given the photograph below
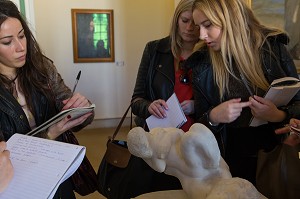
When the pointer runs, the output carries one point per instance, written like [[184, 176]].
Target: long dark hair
[[33, 75]]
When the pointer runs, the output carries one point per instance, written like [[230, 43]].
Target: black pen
[[76, 82]]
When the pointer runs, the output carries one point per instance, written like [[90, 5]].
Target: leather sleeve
[[287, 64], [140, 99]]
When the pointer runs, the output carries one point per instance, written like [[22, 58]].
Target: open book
[[40, 166], [175, 116], [280, 92], [73, 112]]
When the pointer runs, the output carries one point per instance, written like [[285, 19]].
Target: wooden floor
[[95, 142]]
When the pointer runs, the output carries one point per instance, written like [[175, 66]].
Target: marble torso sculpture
[[194, 158]]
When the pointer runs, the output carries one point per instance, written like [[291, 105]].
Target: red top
[[184, 92]]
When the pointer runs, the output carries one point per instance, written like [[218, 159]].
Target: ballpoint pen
[[76, 82], [75, 85]]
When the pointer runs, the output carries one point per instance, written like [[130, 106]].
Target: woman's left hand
[[265, 110], [65, 124], [77, 100], [188, 107]]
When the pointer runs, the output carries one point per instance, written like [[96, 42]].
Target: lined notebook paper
[[40, 166], [175, 116]]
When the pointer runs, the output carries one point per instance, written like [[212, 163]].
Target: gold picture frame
[[93, 35]]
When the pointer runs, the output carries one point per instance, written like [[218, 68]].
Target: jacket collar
[[164, 45]]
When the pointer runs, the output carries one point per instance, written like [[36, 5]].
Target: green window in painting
[[101, 32]]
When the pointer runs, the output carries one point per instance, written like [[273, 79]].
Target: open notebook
[[40, 166], [280, 92], [175, 116]]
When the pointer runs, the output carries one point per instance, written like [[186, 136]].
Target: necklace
[[14, 87]]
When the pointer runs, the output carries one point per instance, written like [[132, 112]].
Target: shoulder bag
[[278, 172], [120, 174]]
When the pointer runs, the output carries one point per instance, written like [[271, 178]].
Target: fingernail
[[69, 116]]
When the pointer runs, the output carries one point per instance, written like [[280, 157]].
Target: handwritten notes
[[40, 166]]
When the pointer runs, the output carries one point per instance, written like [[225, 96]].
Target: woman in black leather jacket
[[160, 73], [159, 76], [238, 52], [31, 89]]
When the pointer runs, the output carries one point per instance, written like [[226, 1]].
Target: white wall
[[107, 85]]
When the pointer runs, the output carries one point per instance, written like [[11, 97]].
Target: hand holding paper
[[158, 108], [280, 92], [40, 166], [174, 115], [74, 113]]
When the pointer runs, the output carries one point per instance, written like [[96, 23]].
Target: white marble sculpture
[[194, 158]]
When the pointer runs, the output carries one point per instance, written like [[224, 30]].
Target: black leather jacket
[[206, 93], [13, 119], [155, 78]]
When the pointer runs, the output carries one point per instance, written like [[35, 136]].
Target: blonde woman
[[160, 73], [159, 76], [232, 71]]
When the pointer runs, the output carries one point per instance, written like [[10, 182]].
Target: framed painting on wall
[[283, 14], [93, 35]]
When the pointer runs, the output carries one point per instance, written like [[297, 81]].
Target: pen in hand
[[75, 85], [76, 82]]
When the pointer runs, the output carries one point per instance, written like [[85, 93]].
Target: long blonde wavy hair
[[241, 41], [176, 40]]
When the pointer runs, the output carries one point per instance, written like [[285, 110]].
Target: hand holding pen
[[76, 99]]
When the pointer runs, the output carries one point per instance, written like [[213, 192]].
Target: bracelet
[[207, 117], [212, 124]]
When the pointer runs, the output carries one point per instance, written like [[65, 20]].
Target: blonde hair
[[176, 40], [241, 41]]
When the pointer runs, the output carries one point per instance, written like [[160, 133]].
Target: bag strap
[[121, 122]]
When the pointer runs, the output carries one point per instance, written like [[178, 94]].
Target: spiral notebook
[[175, 116]]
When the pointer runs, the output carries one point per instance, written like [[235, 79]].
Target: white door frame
[[29, 9]]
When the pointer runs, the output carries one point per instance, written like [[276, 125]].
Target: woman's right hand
[[228, 111], [157, 108]]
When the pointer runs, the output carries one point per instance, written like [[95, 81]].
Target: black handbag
[[122, 175], [278, 172], [85, 178]]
